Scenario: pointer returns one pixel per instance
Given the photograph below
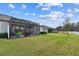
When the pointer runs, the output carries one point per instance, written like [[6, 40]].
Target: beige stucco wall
[[43, 29], [3, 27]]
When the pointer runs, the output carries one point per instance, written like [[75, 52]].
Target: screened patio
[[23, 28]]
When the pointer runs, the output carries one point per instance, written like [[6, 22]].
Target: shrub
[[3, 35], [43, 32], [18, 33]]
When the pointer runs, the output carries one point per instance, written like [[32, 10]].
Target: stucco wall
[[3, 27], [43, 29]]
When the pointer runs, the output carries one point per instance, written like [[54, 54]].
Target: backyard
[[51, 44]]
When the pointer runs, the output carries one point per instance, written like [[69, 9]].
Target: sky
[[49, 14]]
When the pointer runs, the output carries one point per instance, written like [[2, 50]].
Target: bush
[[3, 35], [43, 32], [18, 33]]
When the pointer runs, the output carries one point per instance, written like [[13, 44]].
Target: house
[[44, 28], [55, 31], [13, 26], [47, 29], [52, 30]]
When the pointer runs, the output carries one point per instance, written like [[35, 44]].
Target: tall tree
[[66, 25], [77, 26], [73, 27], [59, 28]]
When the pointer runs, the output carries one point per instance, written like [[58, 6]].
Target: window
[[22, 28], [17, 27]]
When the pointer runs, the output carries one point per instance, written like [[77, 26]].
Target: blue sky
[[50, 14]]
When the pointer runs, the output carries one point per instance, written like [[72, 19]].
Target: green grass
[[52, 44]]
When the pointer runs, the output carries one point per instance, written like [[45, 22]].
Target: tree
[[59, 28], [73, 27], [77, 26], [66, 26]]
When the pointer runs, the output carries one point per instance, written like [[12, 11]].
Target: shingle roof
[[6, 17]]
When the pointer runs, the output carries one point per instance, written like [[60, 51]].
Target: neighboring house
[[44, 28], [12, 25], [52, 30], [55, 31], [47, 29]]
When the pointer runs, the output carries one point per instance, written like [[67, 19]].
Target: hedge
[[3, 35], [43, 32]]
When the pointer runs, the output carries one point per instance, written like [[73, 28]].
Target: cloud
[[76, 10], [40, 4], [57, 4], [34, 14], [23, 6], [70, 14], [26, 13], [47, 6], [12, 6], [55, 15], [69, 10], [73, 10], [44, 8]]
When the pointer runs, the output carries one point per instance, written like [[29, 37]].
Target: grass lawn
[[52, 44]]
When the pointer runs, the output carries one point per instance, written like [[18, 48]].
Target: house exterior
[[12, 25], [47, 29], [50, 30], [44, 28]]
